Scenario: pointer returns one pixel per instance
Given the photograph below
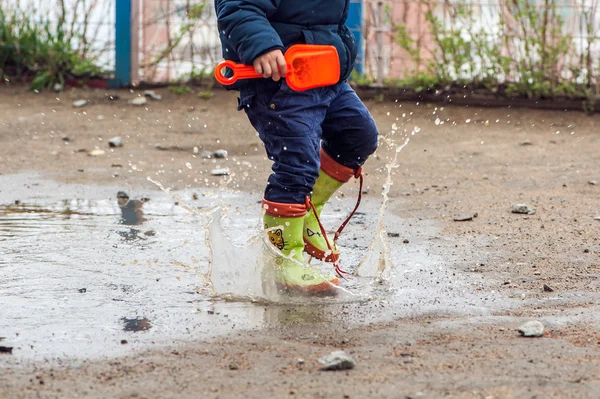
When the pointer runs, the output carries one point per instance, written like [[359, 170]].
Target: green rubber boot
[[314, 242], [292, 274]]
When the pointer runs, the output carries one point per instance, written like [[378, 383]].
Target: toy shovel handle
[[240, 71]]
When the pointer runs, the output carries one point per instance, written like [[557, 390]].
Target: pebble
[[523, 209], [337, 360], [220, 172], [405, 241], [82, 290], [123, 342], [206, 155], [597, 218], [6, 349], [393, 234], [58, 87], [592, 182], [67, 138], [547, 288], [463, 219], [80, 103], [95, 153], [526, 142], [153, 95], [532, 329], [115, 142], [139, 101], [220, 154], [586, 251], [100, 117]]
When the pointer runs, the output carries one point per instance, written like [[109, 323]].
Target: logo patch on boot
[[276, 238], [311, 233]]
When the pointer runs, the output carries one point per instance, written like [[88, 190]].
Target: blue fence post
[[355, 24], [122, 44]]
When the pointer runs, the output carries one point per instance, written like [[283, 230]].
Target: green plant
[[524, 50], [180, 90], [42, 50]]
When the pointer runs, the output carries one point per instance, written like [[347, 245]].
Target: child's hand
[[271, 64]]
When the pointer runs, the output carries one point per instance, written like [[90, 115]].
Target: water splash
[[378, 259]]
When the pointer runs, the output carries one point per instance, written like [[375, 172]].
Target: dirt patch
[[461, 161]]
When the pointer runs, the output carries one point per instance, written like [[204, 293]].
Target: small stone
[[592, 182], [597, 218], [586, 251], [150, 233], [58, 87], [220, 154], [547, 288], [206, 154], [139, 101], [100, 117], [195, 197], [82, 290], [220, 172], [337, 360], [80, 103], [123, 342], [525, 143], [96, 153], [532, 329], [405, 241], [153, 95], [233, 367], [67, 139], [210, 311], [54, 153], [463, 219], [393, 234], [116, 165], [6, 349], [523, 209], [115, 142]]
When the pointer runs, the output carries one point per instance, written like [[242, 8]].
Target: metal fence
[[172, 40], [88, 24], [559, 35]]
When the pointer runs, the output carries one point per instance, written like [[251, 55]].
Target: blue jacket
[[250, 28]]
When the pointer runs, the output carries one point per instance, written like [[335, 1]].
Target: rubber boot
[[332, 176], [284, 224]]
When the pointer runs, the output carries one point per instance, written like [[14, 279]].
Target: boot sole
[[323, 289]]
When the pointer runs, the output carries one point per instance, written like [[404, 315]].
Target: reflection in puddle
[[131, 210], [136, 324], [51, 247]]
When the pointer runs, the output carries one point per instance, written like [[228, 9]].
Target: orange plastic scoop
[[308, 66]]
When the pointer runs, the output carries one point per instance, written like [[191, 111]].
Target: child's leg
[[349, 138], [349, 131], [289, 124]]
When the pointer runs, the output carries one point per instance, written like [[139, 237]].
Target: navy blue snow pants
[[294, 125]]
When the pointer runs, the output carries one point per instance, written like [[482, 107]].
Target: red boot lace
[[340, 272]]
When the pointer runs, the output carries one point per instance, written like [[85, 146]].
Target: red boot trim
[[283, 209], [334, 169], [320, 254]]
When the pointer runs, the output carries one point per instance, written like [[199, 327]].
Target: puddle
[[85, 268]]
